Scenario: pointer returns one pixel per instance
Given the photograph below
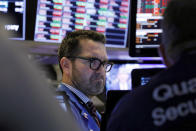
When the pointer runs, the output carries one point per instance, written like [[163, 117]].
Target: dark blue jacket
[[168, 102]]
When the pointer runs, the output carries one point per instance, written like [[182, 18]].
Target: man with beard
[[83, 62]]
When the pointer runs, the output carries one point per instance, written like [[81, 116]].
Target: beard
[[94, 85]]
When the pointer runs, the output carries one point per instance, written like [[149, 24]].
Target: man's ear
[[65, 65], [164, 56]]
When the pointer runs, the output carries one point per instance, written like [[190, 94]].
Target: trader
[[168, 102], [83, 62]]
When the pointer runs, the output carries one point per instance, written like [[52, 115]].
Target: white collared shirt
[[77, 92]]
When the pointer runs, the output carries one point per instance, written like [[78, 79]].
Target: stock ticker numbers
[[55, 18], [149, 16]]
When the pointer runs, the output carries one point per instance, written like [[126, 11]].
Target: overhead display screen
[[148, 30], [55, 18], [149, 16], [14, 11]]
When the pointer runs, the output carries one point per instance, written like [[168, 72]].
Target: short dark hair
[[70, 44], [179, 25]]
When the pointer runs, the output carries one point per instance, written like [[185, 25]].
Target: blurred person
[[27, 103], [84, 63], [122, 80], [169, 100]]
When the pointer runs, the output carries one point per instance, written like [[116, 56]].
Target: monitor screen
[[147, 29], [142, 76], [119, 78], [14, 12], [56, 18], [113, 96]]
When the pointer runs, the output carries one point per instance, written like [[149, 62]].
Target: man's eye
[[95, 61]]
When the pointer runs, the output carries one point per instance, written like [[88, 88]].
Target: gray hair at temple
[[179, 28]]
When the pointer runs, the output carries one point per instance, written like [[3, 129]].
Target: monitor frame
[[31, 7]]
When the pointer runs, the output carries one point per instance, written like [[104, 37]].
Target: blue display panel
[[119, 78], [14, 11], [55, 18]]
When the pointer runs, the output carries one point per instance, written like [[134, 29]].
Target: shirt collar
[[77, 92]]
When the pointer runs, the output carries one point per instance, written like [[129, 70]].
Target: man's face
[[90, 82]]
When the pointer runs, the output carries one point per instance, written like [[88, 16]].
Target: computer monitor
[[14, 13], [54, 19], [145, 29], [141, 77], [113, 96], [119, 78]]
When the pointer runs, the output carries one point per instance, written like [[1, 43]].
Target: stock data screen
[[148, 22], [14, 11], [55, 18]]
